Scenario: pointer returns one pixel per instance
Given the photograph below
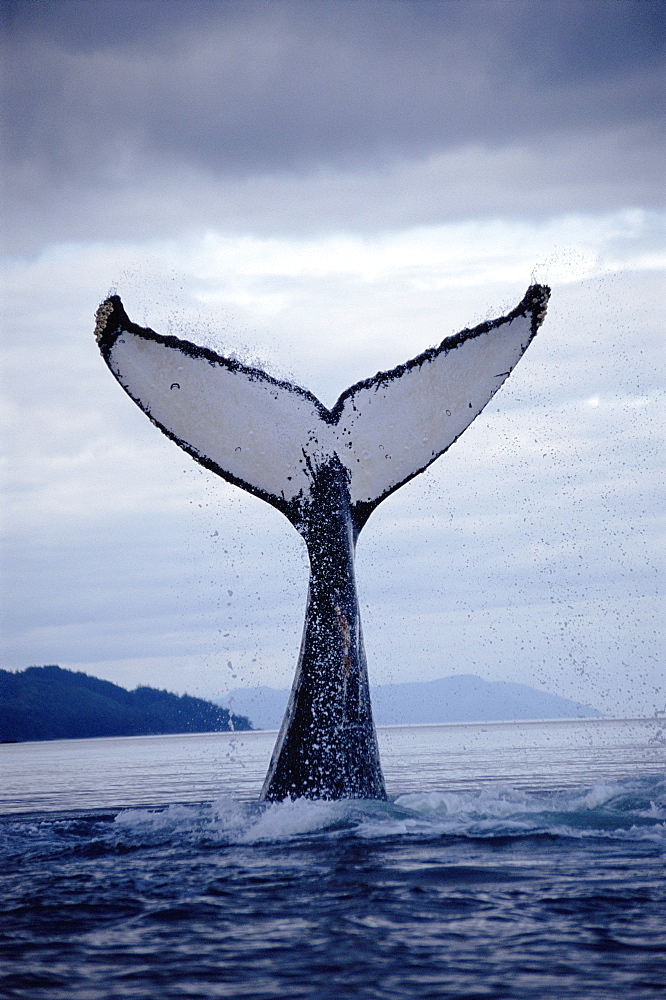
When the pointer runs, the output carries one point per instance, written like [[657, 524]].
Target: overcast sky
[[325, 189]]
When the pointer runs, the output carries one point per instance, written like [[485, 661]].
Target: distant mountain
[[462, 698], [48, 703]]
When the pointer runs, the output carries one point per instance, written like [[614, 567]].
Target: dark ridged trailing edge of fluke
[[326, 471]]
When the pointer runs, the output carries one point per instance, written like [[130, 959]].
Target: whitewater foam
[[622, 810]]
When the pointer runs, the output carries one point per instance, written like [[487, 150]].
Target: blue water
[[522, 860]]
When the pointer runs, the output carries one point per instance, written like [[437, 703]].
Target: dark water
[[520, 860]]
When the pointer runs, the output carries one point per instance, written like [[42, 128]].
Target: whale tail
[[326, 470], [270, 437]]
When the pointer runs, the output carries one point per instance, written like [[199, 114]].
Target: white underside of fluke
[[272, 436], [399, 426], [252, 428]]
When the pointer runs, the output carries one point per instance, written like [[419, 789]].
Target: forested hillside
[[49, 703]]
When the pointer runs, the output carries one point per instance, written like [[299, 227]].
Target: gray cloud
[[572, 173], [131, 94]]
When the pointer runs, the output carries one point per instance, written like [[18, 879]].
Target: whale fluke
[[326, 471], [269, 436]]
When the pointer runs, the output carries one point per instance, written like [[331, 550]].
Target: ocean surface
[[514, 860]]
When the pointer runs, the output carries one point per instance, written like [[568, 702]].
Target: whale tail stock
[[326, 471]]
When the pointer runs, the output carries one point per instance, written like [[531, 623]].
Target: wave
[[623, 810], [626, 810]]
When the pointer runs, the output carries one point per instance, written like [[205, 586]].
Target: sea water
[[521, 860]]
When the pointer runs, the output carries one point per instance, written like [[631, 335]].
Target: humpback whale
[[326, 470]]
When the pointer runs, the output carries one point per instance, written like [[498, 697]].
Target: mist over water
[[512, 860]]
